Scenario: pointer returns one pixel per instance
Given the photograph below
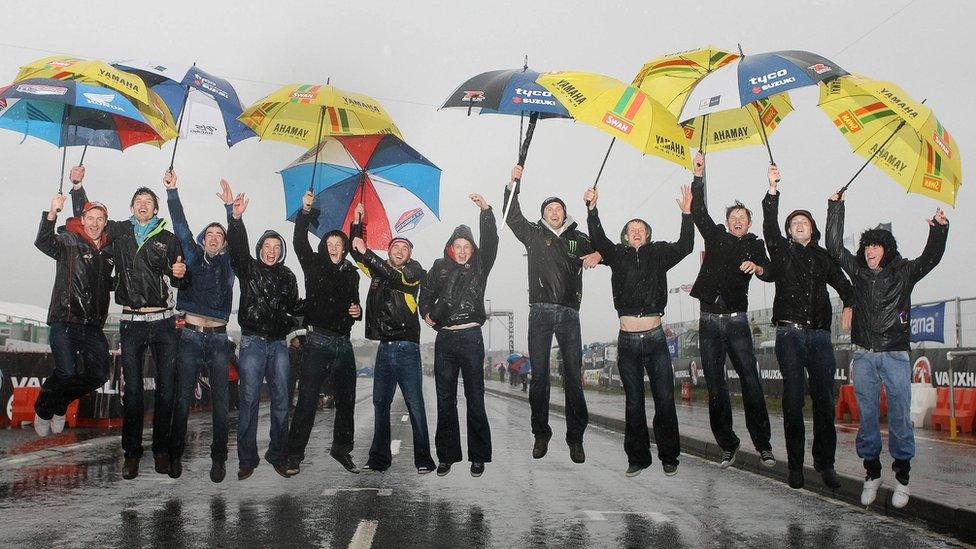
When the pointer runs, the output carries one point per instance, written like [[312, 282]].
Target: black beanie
[[550, 200]]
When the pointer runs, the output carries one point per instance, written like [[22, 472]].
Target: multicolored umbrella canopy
[[513, 92], [399, 188], [899, 135], [91, 71]]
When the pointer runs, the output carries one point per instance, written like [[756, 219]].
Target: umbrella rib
[[881, 129]]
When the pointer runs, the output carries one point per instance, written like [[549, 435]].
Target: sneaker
[[899, 498], [795, 479], [767, 458], [633, 471], [42, 426], [57, 423], [443, 469], [425, 469], [477, 469], [293, 467], [870, 490], [130, 468], [670, 469], [576, 452], [541, 447], [728, 458], [175, 468], [218, 471], [346, 461], [830, 478], [372, 469], [244, 473], [161, 463]]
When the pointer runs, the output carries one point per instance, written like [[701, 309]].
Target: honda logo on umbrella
[[409, 220]]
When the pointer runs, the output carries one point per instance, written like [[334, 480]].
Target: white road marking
[[380, 492], [395, 447], [404, 419], [363, 538], [601, 515]]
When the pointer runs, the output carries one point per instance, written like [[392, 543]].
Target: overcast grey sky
[[410, 55]]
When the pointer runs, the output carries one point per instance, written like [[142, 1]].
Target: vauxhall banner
[[927, 323]]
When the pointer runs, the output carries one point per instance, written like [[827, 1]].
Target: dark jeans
[[69, 342], [262, 359], [398, 363], [719, 336], [638, 352], [460, 351], [799, 350], [326, 356], [162, 338], [545, 321], [206, 352]]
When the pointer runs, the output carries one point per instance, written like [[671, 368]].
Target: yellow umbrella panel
[[302, 114], [899, 135], [622, 111], [63, 67], [670, 77]]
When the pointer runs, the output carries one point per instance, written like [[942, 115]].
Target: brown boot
[[130, 468], [162, 463]]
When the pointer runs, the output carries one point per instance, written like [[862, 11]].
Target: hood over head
[[322, 249], [462, 231], [272, 234], [814, 233], [203, 233]]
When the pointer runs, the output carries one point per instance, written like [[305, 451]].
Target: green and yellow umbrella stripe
[[899, 135]]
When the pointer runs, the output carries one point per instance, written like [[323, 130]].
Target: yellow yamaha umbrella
[[670, 78], [64, 67], [896, 133], [623, 111], [302, 114]]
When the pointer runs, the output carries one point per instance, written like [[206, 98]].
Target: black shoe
[[294, 466], [477, 469], [767, 458], [130, 468], [576, 452], [244, 472], [175, 468], [346, 461], [444, 468], [368, 468], [281, 469], [670, 469], [830, 479], [426, 469], [728, 458], [634, 470], [795, 479], [161, 462], [541, 446], [218, 471]]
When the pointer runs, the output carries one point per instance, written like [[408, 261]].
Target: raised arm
[[598, 237], [934, 246], [240, 255], [835, 236], [699, 214], [78, 195], [47, 240], [488, 235], [300, 239], [775, 240], [181, 228], [521, 227]]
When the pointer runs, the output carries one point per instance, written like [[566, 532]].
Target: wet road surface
[[77, 498]]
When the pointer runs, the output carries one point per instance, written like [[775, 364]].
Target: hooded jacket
[[83, 278], [269, 293], [454, 294], [555, 267], [140, 269], [330, 288], [391, 305], [882, 298], [210, 292], [801, 273], [639, 276], [721, 287]]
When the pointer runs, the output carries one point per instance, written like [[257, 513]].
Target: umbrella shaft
[[868, 161]]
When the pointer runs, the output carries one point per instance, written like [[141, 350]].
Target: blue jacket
[[211, 289]]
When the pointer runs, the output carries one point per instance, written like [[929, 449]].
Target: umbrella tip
[[525, 63], [328, 79], [740, 50]]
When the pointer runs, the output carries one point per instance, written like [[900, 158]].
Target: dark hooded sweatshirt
[[454, 294], [330, 288], [721, 287], [801, 273], [269, 293], [883, 297]]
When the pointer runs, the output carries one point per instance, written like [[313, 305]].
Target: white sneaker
[[899, 498], [57, 423], [41, 426], [870, 491]]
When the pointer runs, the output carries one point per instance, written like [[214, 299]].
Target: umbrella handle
[[523, 154], [599, 173], [318, 145], [179, 127], [82, 161], [868, 161]]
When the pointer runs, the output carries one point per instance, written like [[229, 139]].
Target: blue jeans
[[893, 369], [69, 342], [545, 321], [398, 363], [719, 336], [262, 359], [201, 352], [461, 352], [162, 339], [325, 356], [810, 351], [638, 352]]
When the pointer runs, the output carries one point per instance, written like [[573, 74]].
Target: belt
[[324, 332], [264, 336], [723, 315], [796, 325], [147, 317], [205, 330]]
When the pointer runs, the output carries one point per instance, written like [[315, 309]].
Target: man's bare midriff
[[639, 323], [203, 321]]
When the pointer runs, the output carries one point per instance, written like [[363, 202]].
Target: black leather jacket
[[269, 293], [882, 298], [84, 273], [555, 267], [801, 274], [330, 288], [454, 294], [391, 305], [639, 276]]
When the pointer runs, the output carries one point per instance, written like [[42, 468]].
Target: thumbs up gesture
[[179, 268]]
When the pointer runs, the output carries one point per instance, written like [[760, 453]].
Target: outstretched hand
[[685, 201], [479, 200], [940, 218], [773, 176], [750, 267], [225, 194], [307, 200], [591, 260], [699, 164], [57, 204], [836, 197], [590, 198], [516, 173], [170, 179], [360, 211], [240, 205], [76, 175]]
